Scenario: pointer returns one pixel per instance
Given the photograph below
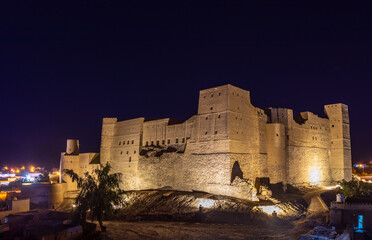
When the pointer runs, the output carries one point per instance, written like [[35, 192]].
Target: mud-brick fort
[[226, 145]]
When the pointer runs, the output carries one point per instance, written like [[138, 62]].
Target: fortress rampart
[[229, 139]]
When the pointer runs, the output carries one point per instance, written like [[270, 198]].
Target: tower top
[[72, 147]]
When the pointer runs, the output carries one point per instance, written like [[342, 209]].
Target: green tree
[[99, 193], [354, 188]]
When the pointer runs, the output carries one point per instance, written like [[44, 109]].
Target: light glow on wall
[[206, 203], [270, 209], [314, 175]]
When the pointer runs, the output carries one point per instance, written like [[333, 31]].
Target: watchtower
[[340, 161]]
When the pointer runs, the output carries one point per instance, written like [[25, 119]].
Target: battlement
[[109, 120]]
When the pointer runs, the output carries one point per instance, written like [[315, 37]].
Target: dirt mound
[[169, 205]]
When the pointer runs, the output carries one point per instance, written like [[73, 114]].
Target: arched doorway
[[236, 171]]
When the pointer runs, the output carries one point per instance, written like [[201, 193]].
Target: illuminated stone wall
[[69, 162], [307, 145], [204, 172], [79, 162], [340, 162], [308, 165], [276, 152], [230, 137]]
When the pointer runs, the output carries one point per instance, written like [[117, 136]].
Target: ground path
[[186, 230], [316, 203]]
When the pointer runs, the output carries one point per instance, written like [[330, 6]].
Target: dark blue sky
[[65, 66]]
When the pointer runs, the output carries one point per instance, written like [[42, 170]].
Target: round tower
[[72, 147], [70, 160]]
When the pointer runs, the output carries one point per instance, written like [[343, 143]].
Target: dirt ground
[[187, 230], [176, 215]]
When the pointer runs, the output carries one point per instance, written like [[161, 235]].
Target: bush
[[354, 188]]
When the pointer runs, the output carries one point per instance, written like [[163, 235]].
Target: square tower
[[340, 161]]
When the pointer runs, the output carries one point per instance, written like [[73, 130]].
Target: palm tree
[[99, 193]]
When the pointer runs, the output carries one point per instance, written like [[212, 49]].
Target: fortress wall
[[244, 127], [205, 172], [179, 171], [262, 122], [248, 136], [108, 125], [44, 193], [239, 100], [314, 132], [339, 125], [212, 126], [158, 172], [303, 136], [241, 166], [308, 151], [252, 165], [84, 159], [218, 146], [154, 132], [245, 132], [126, 142], [191, 130], [84, 162], [308, 165], [231, 137], [276, 152], [69, 162], [176, 133], [280, 115], [158, 132], [202, 172], [213, 100], [243, 118], [259, 163]]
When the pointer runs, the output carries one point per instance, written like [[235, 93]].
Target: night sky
[[65, 66]]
